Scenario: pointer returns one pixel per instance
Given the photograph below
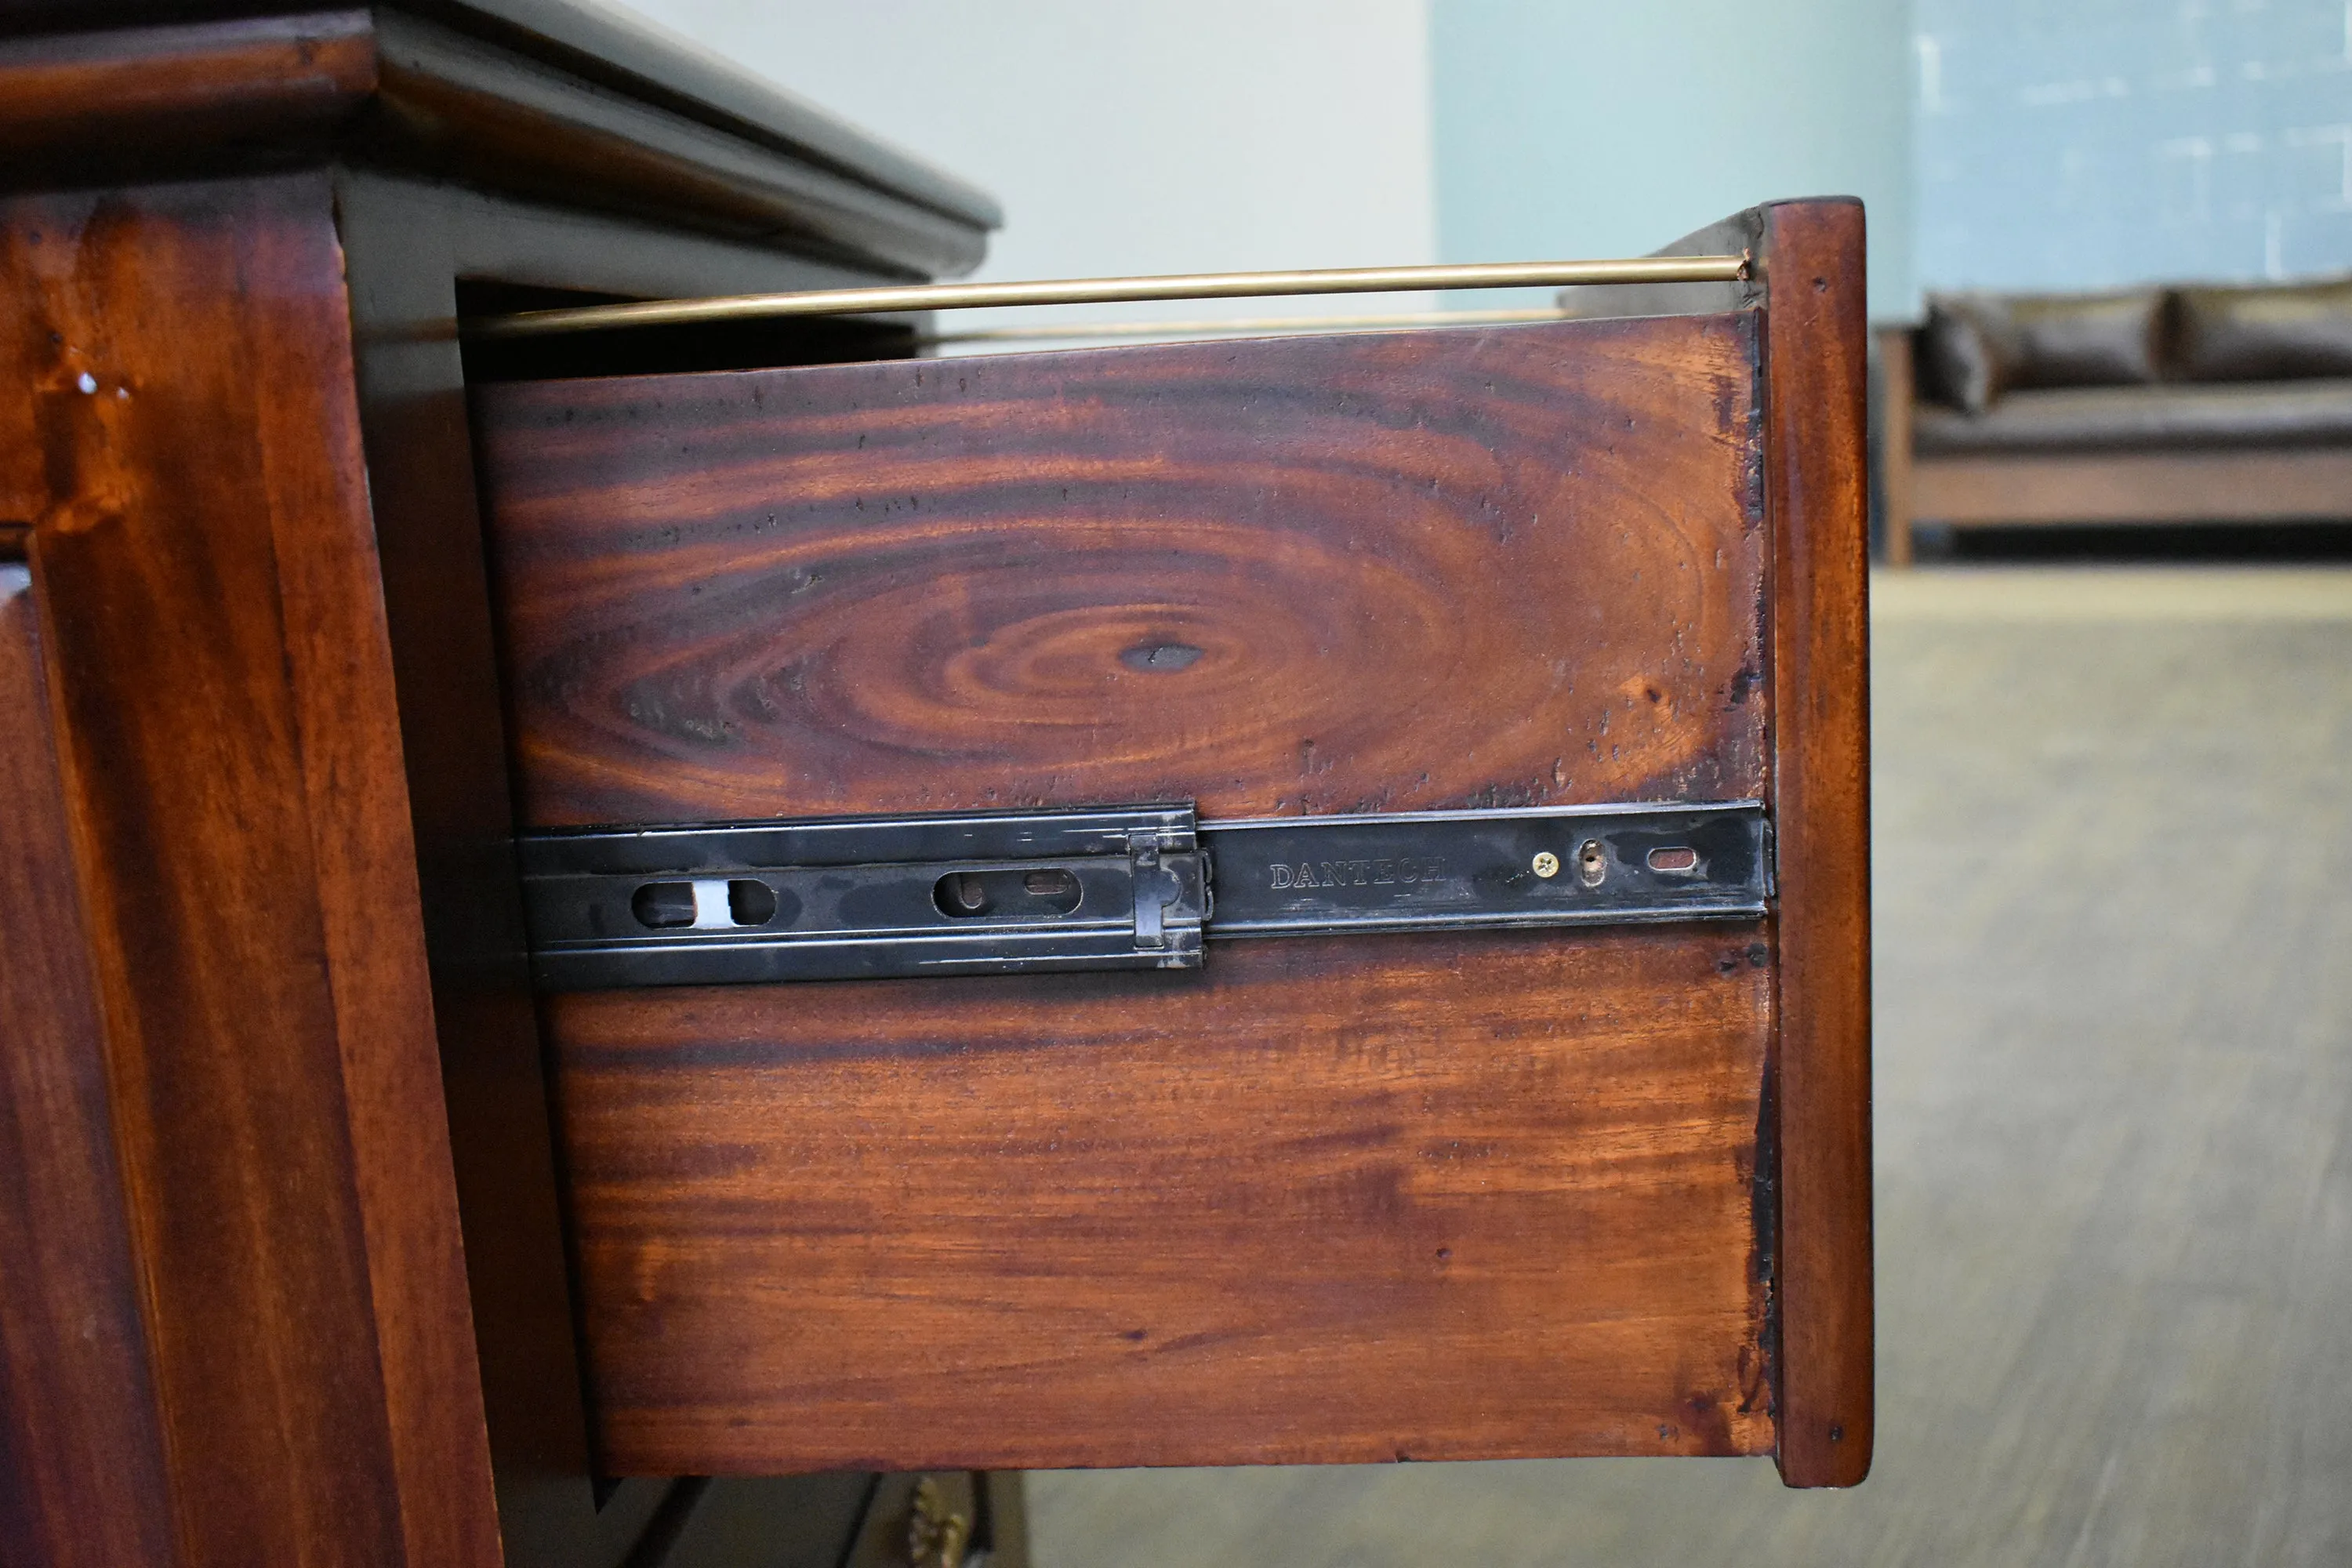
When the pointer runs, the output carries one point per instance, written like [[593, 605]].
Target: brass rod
[[1061, 330], [1110, 290]]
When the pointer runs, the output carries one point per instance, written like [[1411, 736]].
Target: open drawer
[[1460, 1047]]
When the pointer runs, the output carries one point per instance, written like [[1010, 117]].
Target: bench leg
[[1895, 361]]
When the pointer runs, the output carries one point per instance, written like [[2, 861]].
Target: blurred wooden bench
[[2216, 403]]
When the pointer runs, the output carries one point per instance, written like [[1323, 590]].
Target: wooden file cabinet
[[336, 1228]]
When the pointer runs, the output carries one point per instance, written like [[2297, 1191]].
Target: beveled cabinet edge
[[497, 93], [224, 713], [1815, 337]]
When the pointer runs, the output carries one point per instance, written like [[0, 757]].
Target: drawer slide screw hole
[[1037, 893]]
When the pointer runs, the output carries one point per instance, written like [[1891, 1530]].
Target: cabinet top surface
[[152, 81]]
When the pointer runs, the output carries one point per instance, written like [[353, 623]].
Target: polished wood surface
[[205, 519], [201, 534], [237, 444], [500, 94], [68, 98], [1390, 1198], [1391, 572], [82, 1457], [629, 59], [1312, 1204], [1816, 374]]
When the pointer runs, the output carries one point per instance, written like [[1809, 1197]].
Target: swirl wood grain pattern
[[1344, 1200], [1402, 571]]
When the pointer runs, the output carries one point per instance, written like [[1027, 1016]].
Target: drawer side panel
[[1330, 1199], [1384, 573], [1342, 1200]]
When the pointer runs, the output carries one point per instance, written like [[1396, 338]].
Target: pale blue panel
[[2083, 144], [1596, 129]]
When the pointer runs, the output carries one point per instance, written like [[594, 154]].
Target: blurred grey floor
[[2114, 1134]]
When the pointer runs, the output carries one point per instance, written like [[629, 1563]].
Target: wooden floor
[[2114, 1134]]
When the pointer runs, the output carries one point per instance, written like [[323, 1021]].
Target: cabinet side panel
[[202, 538], [81, 1462]]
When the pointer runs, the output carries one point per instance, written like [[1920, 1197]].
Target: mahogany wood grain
[[81, 1458], [505, 98], [601, 44], [70, 98], [179, 428], [1814, 388], [1323, 1201], [1390, 571], [1345, 1200], [208, 527]]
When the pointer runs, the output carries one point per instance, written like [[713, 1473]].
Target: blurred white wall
[[1208, 135], [1136, 136]]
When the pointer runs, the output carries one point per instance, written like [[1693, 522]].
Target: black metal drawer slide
[[1117, 888]]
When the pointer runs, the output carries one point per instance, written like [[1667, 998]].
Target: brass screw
[[1547, 864], [936, 1537]]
